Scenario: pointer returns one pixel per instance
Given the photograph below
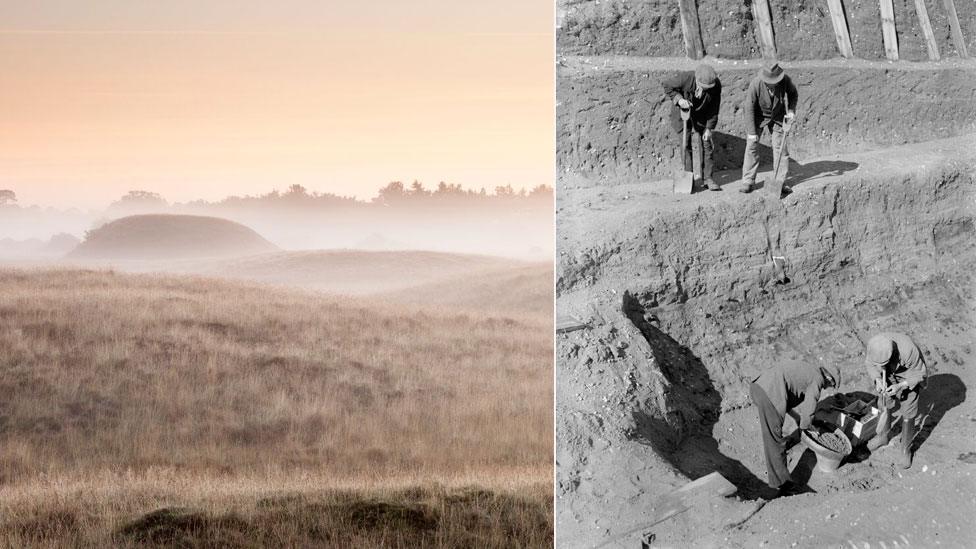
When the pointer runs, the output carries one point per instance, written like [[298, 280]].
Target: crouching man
[[699, 92], [792, 388], [896, 365]]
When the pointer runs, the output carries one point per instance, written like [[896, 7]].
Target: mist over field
[[503, 222]]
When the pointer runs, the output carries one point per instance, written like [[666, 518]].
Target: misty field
[[172, 410]]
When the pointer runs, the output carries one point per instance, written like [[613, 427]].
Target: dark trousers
[[695, 143], [774, 443]]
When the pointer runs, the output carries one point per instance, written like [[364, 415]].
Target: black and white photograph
[[764, 289]]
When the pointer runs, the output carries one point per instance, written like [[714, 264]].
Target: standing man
[[699, 92], [896, 365], [770, 100], [792, 388]]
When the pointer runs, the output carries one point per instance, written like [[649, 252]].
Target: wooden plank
[[923, 21], [841, 32], [957, 37], [888, 30], [569, 323], [691, 29], [764, 27]]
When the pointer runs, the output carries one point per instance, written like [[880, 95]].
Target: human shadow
[[692, 408], [803, 469], [729, 151], [942, 392]]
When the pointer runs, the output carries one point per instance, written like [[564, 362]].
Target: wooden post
[[923, 21], [956, 31], [764, 24], [691, 29], [888, 30], [841, 33]]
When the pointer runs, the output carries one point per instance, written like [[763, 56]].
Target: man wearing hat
[[791, 388], [770, 100], [701, 93], [896, 365]]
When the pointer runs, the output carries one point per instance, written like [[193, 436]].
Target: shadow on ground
[[730, 149], [693, 405], [942, 392]]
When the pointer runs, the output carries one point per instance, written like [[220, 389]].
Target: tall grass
[[109, 374]]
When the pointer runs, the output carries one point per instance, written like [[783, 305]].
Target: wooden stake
[[764, 23], [956, 31], [888, 30], [923, 21], [691, 29], [841, 32]]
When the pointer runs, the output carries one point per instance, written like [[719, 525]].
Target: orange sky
[[244, 96]]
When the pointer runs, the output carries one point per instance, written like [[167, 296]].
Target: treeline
[[394, 194]]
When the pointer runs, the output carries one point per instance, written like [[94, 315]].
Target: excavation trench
[[695, 290]]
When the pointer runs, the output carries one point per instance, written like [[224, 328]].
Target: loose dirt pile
[[803, 29], [612, 122], [684, 310], [149, 237], [831, 441]]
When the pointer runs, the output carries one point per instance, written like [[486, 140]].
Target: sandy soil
[[683, 309]]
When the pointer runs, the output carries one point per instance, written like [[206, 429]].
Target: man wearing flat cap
[[789, 388], [770, 100], [896, 365], [699, 91]]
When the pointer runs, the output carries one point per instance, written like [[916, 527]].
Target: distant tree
[[7, 197], [143, 197], [504, 192], [417, 189], [391, 193], [297, 190]]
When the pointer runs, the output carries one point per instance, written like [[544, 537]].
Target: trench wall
[[614, 125], [803, 28], [874, 253]]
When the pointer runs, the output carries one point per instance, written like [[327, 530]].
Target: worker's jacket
[[704, 108], [906, 365], [794, 386], [764, 106]]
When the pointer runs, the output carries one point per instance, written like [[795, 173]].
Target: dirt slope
[[155, 237], [684, 312], [803, 29]]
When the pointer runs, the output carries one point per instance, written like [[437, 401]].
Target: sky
[[204, 99]]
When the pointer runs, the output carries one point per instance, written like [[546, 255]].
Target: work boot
[[790, 488], [907, 434], [747, 188], [712, 185]]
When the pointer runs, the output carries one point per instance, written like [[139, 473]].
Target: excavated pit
[[685, 308]]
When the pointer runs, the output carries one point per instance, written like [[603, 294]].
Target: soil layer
[[803, 29]]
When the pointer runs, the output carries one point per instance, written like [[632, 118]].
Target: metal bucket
[[827, 460]]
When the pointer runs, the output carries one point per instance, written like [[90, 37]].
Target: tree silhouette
[[7, 197]]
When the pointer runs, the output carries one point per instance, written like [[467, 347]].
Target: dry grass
[[171, 508], [123, 376]]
